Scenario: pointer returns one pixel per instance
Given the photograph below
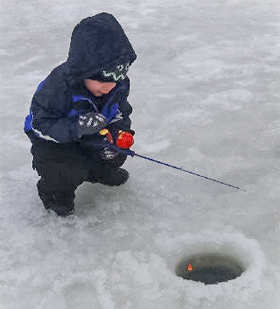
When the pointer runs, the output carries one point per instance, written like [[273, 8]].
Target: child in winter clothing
[[80, 107]]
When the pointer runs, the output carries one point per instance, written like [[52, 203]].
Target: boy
[[77, 110]]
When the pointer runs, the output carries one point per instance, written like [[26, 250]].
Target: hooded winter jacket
[[98, 43]]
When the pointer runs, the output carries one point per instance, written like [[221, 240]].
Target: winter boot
[[63, 210], [62, 207], [113, 176]]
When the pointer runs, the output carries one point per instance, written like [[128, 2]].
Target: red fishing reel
[[124, 140]]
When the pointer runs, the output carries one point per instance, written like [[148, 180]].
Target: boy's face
[[98, 88]]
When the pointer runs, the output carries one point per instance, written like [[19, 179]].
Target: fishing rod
[[134, 154], [186, 171]]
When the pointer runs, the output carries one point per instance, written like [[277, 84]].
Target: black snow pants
[[63, 167]]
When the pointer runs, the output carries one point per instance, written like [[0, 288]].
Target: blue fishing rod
[[134, 154], [186, 171]]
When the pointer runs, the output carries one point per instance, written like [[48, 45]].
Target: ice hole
[[209, 268]]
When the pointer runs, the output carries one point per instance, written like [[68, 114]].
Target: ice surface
[[205, 92]]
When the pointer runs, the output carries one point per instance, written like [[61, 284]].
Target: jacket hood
[[97, 43]]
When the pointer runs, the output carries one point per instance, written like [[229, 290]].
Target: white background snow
[[205, 92]]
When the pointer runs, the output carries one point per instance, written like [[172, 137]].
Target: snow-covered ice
[[205, 92]]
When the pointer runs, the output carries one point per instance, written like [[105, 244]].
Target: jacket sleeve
[[50, 119]]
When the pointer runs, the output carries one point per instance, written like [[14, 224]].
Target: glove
[[107, 153], [90, 123], [124, 139]]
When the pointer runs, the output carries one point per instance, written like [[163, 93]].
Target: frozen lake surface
[[205, 93]]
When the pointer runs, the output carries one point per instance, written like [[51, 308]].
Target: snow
[[205, 92]]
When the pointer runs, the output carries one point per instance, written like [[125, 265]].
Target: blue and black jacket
[[97, 43]]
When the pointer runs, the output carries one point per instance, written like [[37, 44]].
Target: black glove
[[108, 153], [90, 123]]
